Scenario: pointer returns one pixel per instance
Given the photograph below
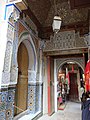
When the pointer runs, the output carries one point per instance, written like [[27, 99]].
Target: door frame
[[55, 86]]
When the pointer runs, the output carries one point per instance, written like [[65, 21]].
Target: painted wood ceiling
[[74, 13]]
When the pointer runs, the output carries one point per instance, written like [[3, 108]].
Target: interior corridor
[[72, 111]]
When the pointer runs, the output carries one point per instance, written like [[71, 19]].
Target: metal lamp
[[56, 24], [56, 20]]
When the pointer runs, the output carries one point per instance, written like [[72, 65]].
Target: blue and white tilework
[[34, 98], [31, 98], [6, 104]]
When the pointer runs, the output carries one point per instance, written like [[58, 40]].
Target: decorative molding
[[30, 24], [79, 3], [26, 38], [21, 4], [12, 13], [78, 60], [35, 83]]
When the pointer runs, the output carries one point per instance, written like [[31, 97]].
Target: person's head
[[88, 94]]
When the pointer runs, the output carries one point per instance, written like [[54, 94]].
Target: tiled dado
[[6, 104], [34, 98], [38, 104], [7, 101], [31, 98]]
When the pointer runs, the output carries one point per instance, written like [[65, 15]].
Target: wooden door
[[73, 93], [22, 82]]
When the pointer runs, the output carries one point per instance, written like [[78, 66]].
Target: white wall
[[3, 37], [55, 85]]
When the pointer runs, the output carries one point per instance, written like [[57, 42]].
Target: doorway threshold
[[29, 116]]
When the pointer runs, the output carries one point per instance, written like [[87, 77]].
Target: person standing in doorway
[[86, 107]]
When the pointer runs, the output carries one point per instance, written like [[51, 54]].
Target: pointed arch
[[26, 38]]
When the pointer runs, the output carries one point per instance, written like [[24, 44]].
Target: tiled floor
[[72, 111]]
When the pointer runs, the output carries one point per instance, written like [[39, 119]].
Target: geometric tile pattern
[[10, 107], [34, 98], [38, 104], [3, 104], [31, 98], [3, 100], [2, 115], [7, 100], [6, 104], [37, 98]]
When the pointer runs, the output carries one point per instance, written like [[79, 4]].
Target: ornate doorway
[[70, 81], [22, 82]]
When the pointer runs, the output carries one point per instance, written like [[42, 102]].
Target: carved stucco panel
[[64, 41], [14, 75], [8, 56], [7, 63], [11, 15], [14, 66], [80, 41]]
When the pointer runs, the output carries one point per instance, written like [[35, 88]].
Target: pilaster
[[35, 87], [8, 22], [11, 17]]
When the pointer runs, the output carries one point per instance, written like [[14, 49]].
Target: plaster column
[[48, 78], [11, 16]]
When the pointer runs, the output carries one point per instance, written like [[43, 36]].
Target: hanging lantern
[[56, 24], [56, 20]]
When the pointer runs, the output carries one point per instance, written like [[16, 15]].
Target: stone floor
[[71, 112]]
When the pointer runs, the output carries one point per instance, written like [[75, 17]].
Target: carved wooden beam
[[81, 27], [79, 3], [33, 18]]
